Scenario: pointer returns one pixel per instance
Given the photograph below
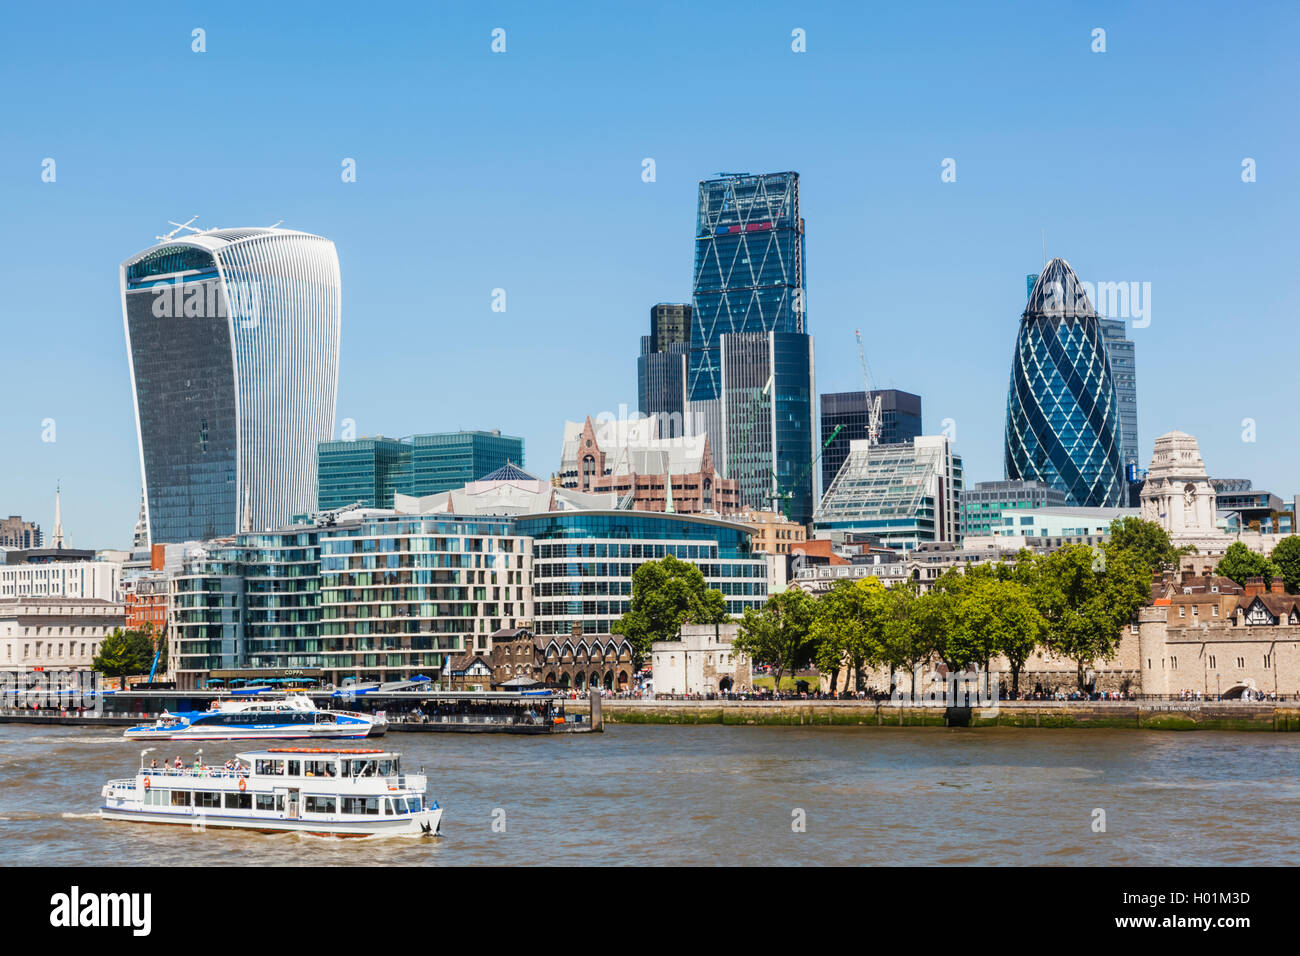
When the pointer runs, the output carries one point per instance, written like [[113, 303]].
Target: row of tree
[[1240, 563], [1074, 602]]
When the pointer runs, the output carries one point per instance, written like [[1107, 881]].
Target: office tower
[[906, 494], [749, 281], [445, 460], [370, 471], [767, 405], [1123, 369], [670, 323], [1063, 424], [900, 420], [19, 534], [661, 367], [365, 471], [233, 342]]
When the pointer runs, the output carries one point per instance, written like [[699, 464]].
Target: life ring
[[243, 784], [146, 783]]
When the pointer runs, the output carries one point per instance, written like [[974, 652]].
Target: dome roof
[[1059, 294]]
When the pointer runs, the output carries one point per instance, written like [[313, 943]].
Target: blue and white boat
[[318, 790], [289, 718]]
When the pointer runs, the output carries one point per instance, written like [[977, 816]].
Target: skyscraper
[[233, 341], [1063, 420], [1123, 369], [661, 367], [749, 281], [900, 421]]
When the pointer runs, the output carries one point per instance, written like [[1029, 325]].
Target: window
[[1212, 660], [180, 798], [365, 805], [320, 804], [239, 801], [208, 799]]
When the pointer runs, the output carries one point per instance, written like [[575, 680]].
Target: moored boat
[[317, 790], [287, 718]]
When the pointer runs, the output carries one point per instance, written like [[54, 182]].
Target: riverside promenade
[[1277, 716]]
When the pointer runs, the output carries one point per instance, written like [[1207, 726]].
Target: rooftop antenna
[[179, 226], [277, 223]]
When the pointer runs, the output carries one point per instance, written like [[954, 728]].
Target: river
[[709, 795]]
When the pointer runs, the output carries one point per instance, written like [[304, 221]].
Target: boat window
[[387, 768], [157, 798], [239, 801], [388, 806], [315, 804], [366, 805], [208, 799], [180, 798], [267, 801], [295, 768], [320, 768]]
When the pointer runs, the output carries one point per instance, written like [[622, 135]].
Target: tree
[[665, 595], [1286, 562], [778, 633], [998, 616], [1148, 541], [1087, 596], [124, 654], [1240, 563], [913, 624], [847, 626]]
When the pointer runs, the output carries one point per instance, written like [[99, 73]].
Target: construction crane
[[788, 495], [873, 401]]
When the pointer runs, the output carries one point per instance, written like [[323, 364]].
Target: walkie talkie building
[[233, 341], [1063, 418]]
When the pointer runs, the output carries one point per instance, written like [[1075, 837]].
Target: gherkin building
[[1063, 423]]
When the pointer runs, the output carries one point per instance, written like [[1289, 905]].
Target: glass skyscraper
[[900, 421], [748, 301], [1063, 418], [233, 341]]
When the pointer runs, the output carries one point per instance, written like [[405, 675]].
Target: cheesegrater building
[[232, 337], [1063, 416]]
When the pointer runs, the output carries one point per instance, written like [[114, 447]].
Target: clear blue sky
[[523, 171]]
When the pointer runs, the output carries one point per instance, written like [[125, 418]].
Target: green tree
[[1087, 596], [1240, 563], [1286, 562], [665, 595], [1148, 541], [998, 616], [913, 625], [847, 626], [779, 633], [124, 654]]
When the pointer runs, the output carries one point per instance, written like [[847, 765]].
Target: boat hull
[[358, 732], [413, 825]]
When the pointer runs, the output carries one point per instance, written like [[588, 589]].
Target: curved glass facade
[[1063, 421], [233, 341]]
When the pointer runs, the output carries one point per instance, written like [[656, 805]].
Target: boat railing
[[207, 772]]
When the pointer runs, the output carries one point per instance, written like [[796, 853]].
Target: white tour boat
[[287, 718], [317, 790]]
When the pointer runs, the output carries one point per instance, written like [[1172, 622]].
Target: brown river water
[[717, 795]]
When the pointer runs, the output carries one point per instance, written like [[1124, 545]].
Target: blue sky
[[522, 171]]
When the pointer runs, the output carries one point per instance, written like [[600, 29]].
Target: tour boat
[[316, 790], [289, 718]]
